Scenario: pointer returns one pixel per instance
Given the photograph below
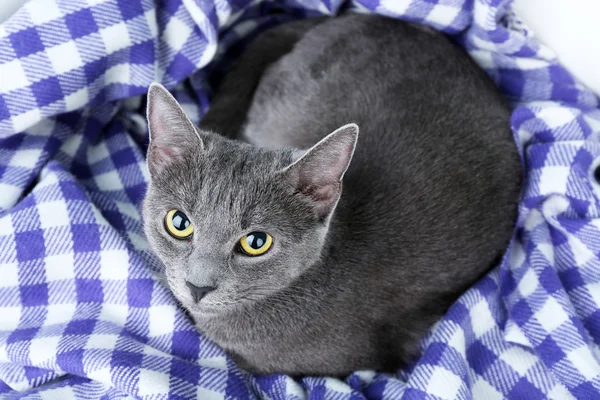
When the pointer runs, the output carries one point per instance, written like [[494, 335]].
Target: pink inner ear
[[327, 165], [162, 156], [325, 193], [318, 173], [323, 196]]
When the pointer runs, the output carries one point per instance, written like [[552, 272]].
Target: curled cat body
[[352, 177]]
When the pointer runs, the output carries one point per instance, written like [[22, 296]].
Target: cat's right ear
[[318, 173], [171, 131]]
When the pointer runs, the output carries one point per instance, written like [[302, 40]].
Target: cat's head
[[233, 223]]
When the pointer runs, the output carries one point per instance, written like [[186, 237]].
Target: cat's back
[[374, 71], [436, 173]]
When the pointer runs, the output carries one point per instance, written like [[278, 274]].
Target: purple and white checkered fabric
[[81, 312]]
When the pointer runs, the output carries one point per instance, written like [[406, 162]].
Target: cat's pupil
[[256, 240], [180, 221]]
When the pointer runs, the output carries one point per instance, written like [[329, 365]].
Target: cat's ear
[[171, 131], [319, 171]]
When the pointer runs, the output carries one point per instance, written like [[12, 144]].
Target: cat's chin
[[203, 309], [206, 310], [209, 310]]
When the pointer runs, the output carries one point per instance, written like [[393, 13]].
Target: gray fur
[[352, 281]]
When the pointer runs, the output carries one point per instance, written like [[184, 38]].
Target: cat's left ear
[[171, 131], [318, 173]]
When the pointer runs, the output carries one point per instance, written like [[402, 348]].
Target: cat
[[352, 177]]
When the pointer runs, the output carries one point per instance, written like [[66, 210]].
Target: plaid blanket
[[82, 314]]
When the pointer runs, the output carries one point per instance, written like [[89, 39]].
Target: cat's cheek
[[179, 249], [177, 286]]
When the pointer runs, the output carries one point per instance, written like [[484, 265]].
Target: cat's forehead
[[234, 177], [224, 182], [237, 162]]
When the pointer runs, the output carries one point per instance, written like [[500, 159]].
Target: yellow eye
[[256, 243], [178, 224]]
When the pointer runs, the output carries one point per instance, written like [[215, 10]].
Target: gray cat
[[279, 265]]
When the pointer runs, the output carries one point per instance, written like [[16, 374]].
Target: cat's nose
[[198, 292]]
